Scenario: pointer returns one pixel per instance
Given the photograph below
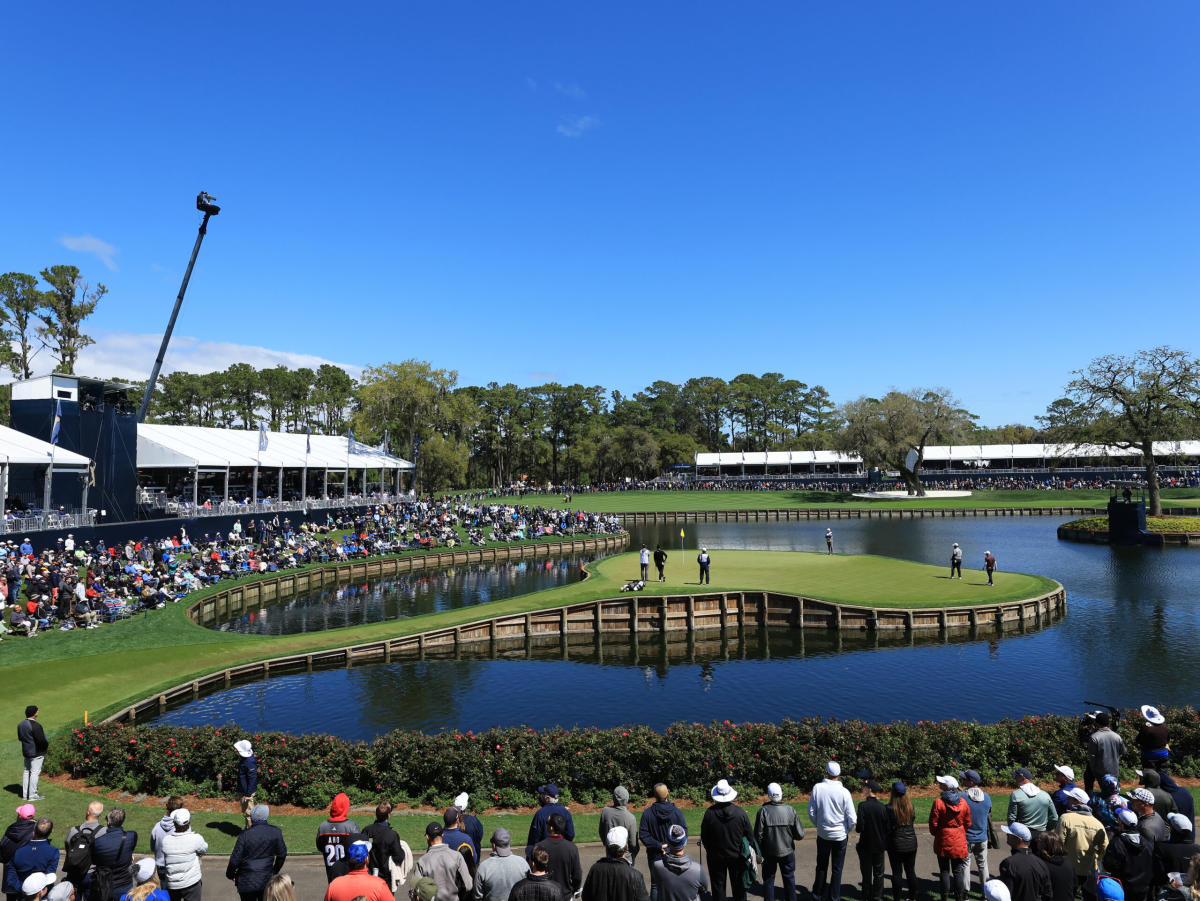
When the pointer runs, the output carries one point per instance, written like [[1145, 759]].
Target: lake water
[[1127, 639]]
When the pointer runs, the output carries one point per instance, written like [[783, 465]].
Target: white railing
[[270, 508], [13, 523]]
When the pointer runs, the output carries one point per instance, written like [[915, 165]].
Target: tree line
[[33, 318]]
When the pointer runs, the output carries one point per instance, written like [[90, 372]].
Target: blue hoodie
[[980, 804]]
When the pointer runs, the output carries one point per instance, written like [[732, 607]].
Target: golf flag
[[262, 436], [681, 533], [308, 442], [54, 429], [350, 443]]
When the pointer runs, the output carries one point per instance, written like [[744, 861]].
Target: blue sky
[[977, 195]]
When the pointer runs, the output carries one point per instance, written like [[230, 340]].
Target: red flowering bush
[[503, 767]]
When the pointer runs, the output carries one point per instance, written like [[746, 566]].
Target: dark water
[[408, 595], [1129, 638]]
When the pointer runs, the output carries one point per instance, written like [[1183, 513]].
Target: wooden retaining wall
[[631, 615], [257, 593], [1154, 539], [801, 515]]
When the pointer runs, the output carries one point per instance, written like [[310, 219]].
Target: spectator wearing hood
[[1182, 797], [1130, 858], [1084, 837], [335, 836], [654, 830], [258, 854], [722, 830], [618, 814], [1164, 802], [16, 836], [163, 827], [949, 819], [1153, 738], [678, 876], [538, 828], [501, 871], [980, 804], [1030, 805], [1107, 802]]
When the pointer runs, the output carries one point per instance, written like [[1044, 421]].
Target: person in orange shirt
[[358, 883]]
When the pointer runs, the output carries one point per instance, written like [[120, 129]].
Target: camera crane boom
[[206, 204]]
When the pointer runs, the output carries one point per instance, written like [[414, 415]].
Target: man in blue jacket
[[539, 828], [247, 777], [258, 854], [37, 856], [654, 831], [112, 853]]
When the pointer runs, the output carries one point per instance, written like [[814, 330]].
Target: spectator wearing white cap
[[612, 878], [1175, 855], [618, 814], [1130, 858], [949, 819], [501, 871], [1030, 805], [148, 888], [777, 829], [36, 886], [470, 823], [724, 827], [1153, 738], [1026, 875], [995, 890], [1084, 837], [1064, 775], [181, 850], [831, 808], [247, 777], [65, 891], [956, 556]]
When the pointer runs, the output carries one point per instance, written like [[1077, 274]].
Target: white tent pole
[[254, 487], [4, 492], [49, 480], [280, 498], [325, 486], [304, 481], [227, 484], [87, 481], [196, 487]]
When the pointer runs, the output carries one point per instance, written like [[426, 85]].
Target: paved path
[[308, 871]]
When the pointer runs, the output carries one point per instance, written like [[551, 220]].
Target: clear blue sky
[[977, 195]]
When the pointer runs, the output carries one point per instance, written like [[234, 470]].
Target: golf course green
[[93, 673], [685, 501]]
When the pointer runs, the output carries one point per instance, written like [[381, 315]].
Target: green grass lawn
[[1153, 523], [97, 671], [680, 501]]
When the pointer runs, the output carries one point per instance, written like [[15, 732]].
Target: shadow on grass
[[13, 789], [225, 828]]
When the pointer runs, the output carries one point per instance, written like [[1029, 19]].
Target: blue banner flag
[[350, 443], [308, 441], [262, 437], [54, 429]]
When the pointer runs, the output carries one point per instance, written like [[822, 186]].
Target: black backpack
[[79, 852]]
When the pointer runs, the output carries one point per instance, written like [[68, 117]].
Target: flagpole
[[55, 426]]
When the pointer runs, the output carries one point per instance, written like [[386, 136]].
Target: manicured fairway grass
[[680, 501], [97, 671], [1165, 524]]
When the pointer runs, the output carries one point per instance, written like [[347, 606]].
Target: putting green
[[865, 580], [98, 671]]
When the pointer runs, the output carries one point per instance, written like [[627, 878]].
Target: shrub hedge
[[502, 767]]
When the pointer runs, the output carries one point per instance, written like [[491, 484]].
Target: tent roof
[[185, 446], [17, 447]]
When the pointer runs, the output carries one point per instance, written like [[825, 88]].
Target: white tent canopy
[[21, 449], [191, 447]]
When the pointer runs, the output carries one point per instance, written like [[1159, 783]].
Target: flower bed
[[502, 767]]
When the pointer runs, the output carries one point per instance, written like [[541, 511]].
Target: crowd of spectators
[[83, 584]]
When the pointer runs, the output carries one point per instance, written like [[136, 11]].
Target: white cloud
[[570, 89], [575, 126], [101, 250], [128, 355], [531, 83]]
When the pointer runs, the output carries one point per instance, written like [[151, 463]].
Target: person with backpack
[[112, 857], [77, 851], [1130, 858]]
